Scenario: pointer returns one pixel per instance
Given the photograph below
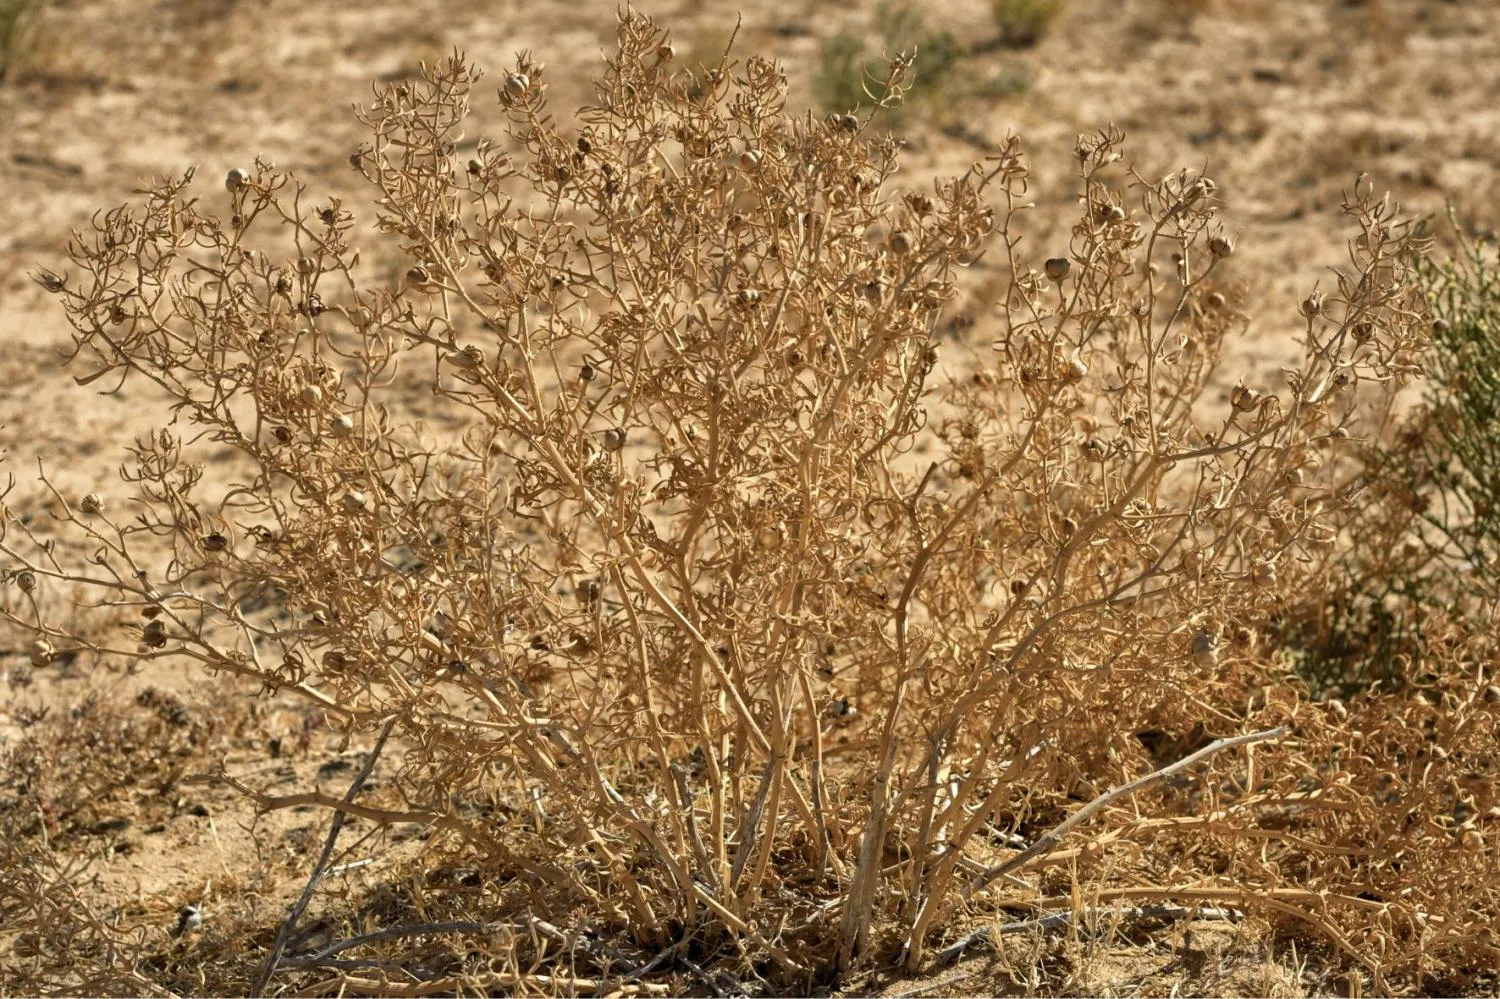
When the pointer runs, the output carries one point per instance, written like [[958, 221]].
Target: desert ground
[[1283, 102]]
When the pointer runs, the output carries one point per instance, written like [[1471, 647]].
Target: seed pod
[[1312, 305], [1220, 246], [42, 653], [846, 122], [1472, 840], [750, 160], [215, 542], [1264, 573], [341, 425], [1057, 268], [873, 292], [306, 265], [900, 243], [1216, 300], [418, 275], [26, 580], [356, 502], [1492, 694], [1440, 326], [587, 592], [1362, 332], [614, 439], [586, 373], [235, 180], [665, 52], [516, 85], [311, 395], [1244, 399], [1115, 213], [92, 504], [748, 296]]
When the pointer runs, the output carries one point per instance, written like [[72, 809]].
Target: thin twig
[[268, 967], [1048, 841]]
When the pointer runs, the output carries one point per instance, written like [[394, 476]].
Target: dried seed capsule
[[26, 580], [92, 504], [1115, 213], [1220, 246], [215, 542], [356, 502], [614, 439], [42, 653], [900, 243], [418, 275], [1492, 694], [750, 160], [749, 296], [311, 395], [1216, 300], [586, 373], [666, 52], [1440, 326], [516, 85], [1312, 305], [1057, 268], [341, 425], [235, 180], [846, 122]]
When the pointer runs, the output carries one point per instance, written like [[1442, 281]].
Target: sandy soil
[[1282, 101]]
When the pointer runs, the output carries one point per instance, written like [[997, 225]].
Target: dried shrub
[[702, 617]]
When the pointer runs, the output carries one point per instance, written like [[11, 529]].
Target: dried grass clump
[[704, 621]]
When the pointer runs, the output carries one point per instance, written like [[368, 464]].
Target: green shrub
[[1022, 23], [17, 24], [1462, 439], [850, 76]]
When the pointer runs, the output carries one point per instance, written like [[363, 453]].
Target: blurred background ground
[[1283, 102]]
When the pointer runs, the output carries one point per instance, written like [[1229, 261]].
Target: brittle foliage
[[759, 635]]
